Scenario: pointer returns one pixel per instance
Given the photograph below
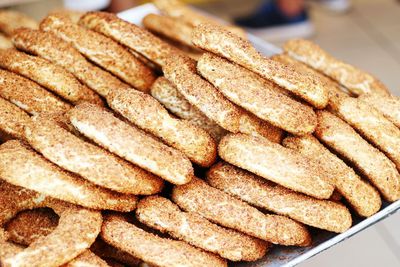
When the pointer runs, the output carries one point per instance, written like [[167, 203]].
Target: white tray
[[322, 240]]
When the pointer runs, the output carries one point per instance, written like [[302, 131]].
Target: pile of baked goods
[[185, 147]]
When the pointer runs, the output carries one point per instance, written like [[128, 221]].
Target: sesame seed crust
[[361, 196], [219, 41], [257, 95], [53, 141], [257, 191], [218, 207], [130, 143], [101, 50], [57, 51], [21, 166], [148, 114], [372, 163], [154, 249], [356, 80], [52, 77], [276, 163], [160, 213]]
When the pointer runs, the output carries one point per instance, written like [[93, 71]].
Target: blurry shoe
[[339, 6], [270, 23]]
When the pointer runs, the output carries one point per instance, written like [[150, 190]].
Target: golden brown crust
[[372, 163], [87, 259], [29, 96], [130, 35], [257, 95], [163, 215], [148, 114], [167, 94], [335, 91], [5, 42], [57, 51], [169, 27], [218, 207], [201, 94], [103, 51], [11, 20], [276, 163], [182, 12], [257, 191], [190, 51], [30, 225], [77, 229], [48, 75], [131, 143], [223, 43], [356, 80], [361, 196], [19, 165], [388, 105], [12, 120], [96, 165], [154, 249], [72, 15], [373, 126], [106, 251]]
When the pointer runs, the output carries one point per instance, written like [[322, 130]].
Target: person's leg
[[291, 8], [279, 20]]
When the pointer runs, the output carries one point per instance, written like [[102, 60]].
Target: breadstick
[[21, 166], [12, 120], [160, 213], [201, 94], [130, 35], [169, 27], [131, 144], [179, 10], [154, 249], [28, 95], [96, 165], [219, 41], [257, 95], [388, 105], [362, 197], [354, 79], [276, 163], [101, 50], [57, 51], [67, 241], [373, 126], [257, 191], [372, 163], [218, 207], [11, 20], [48, 75], [148, 114], [167, 94]]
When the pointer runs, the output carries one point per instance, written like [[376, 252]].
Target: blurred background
[[365, 33]]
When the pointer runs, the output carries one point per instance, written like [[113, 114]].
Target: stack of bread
[[121, 148]]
